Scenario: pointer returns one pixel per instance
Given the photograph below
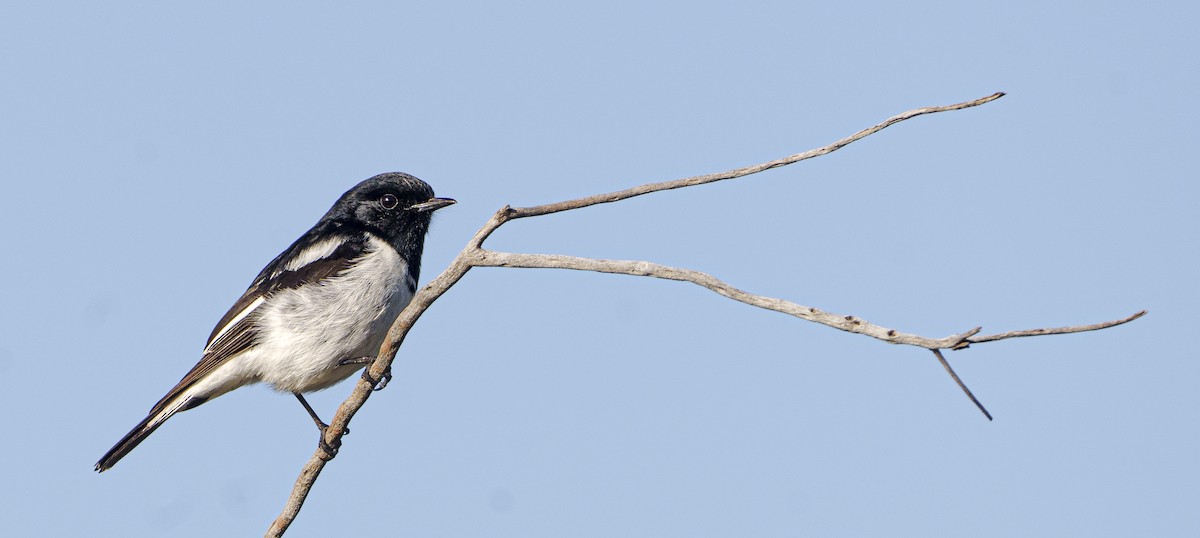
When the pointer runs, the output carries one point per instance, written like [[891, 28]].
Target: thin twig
[[961, 385], [1043, 332], [744, 171], [509, 213]]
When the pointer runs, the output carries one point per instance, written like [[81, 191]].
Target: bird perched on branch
[[319, 311]]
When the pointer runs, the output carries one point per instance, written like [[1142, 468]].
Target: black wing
[[318, 255]]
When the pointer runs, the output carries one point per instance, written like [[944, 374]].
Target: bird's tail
[[143, 430]]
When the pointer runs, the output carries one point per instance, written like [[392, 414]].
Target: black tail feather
[[140, 432], [127, 443]]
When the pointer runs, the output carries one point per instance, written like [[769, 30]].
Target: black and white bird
[[319, 311]]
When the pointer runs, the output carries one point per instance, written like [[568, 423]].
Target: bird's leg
[[321, 425], [378, 384]]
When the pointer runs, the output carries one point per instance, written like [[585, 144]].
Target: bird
[[319, 311]]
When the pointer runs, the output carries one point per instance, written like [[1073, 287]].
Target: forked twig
[[474, 255]]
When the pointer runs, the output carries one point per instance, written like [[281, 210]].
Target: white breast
[[307, 331]]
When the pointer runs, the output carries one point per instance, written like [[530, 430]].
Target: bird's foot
[[330, 450], [376, 384], [381, 382]]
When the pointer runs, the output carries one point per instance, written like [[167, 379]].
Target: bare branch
[[304, 483], [474, 255], [745, 171], [509, 213], [491, 258]]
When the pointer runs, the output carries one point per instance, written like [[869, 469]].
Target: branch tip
[[1056, 330]]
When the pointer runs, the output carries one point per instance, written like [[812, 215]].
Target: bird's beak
[[432, 204]]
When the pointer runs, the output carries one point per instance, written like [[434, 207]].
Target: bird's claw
[[330, 450], [378, 384]]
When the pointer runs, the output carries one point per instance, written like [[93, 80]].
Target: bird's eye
[[388, 201]]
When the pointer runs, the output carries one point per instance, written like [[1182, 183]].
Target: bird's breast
[[308, 330]]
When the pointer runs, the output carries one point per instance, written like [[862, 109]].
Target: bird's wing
[[308, 260]]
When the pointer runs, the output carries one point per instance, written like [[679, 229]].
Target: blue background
[[155, 157]]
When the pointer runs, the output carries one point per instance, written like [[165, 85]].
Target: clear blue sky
[[156, 157]]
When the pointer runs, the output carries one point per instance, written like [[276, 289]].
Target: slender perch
[[474, 255]]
